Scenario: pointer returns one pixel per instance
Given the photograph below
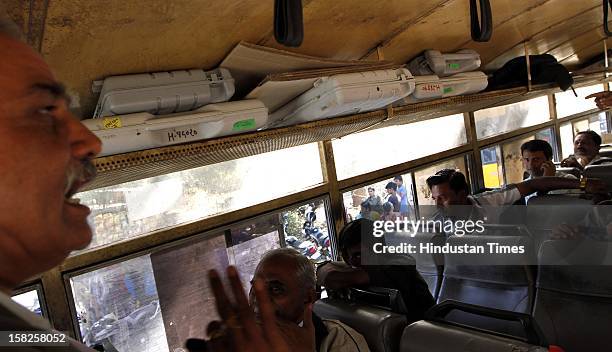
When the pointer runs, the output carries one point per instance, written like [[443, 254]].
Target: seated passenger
[[586, 151], [354, 273], [290, 281], [537, 161], [392, 197], [450, 188]]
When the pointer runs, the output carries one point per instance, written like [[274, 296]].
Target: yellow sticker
[[111, 122]]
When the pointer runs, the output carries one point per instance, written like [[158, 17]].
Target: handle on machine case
[[483, 29], [606, 10], [533, 333]]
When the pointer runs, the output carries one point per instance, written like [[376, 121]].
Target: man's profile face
[[353, 255], [397, 182], [40, 142], [371, 192], [444, 196], [585, 146], [532, 162], [288, 297]]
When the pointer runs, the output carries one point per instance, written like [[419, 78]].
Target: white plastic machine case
[[163, 92], [345, 94], [433, 62], [122, 134], [432, 87]]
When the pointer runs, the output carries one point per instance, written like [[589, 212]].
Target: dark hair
[[371, 189], [594, 136], [538, 145], [387, 206], [365, 204], [399, 178], [455, 179], [350, 234], [391, 185]]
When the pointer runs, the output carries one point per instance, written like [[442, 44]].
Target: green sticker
[[244, 125], [454, 66], [448, 89]]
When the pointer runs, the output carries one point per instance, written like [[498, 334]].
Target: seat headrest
[[571, 275], [570, 171], [603, 171], [511, 269]]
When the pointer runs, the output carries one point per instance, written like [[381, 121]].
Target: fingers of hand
[[597, 95], [244, 311], [268, 317]]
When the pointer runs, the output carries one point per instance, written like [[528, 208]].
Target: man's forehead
[[21, 67], [277, 268]]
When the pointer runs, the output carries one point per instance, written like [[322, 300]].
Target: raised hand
[[603, 100]]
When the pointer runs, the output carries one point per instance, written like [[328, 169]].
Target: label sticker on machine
[[178, 135], [242, 125], [429, 87], [111, 122], [448, 90]]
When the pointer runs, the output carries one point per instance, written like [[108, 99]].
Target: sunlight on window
[[495, 121], [139, 207], [568, 104], [373, 150]]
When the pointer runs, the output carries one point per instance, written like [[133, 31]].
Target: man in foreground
[[289, 279], [46, 157]]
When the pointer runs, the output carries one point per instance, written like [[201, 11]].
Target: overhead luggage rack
[[121, 168]]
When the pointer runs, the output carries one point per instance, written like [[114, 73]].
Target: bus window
[[30, 299], [596, 122], [372, 150], [568, 104], [375, 195], [492, 168], [423, 192], [548, 135], [513, 164], [136, 208], [498, 120]]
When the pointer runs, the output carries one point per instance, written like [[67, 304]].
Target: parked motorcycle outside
[[307, 248]]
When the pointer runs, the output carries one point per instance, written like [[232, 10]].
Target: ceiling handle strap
[[482, 28], [288, 22]]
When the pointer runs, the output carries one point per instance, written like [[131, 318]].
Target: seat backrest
[[574, 301], [488, 280], [570, 171], [382, 329], [429, 265], [549, 211], [601, 171], [425, 336]]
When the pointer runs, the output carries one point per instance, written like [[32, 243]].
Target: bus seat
[[497, 281], [605, 152], [381, 328], [424, 336], [430, 266], [570, 170], [574, 301], [549, 211], [436, 333], [602, 172]]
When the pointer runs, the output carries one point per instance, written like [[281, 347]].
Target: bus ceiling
[[85, 40]]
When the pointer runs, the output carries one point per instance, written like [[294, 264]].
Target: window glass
[[423, 192], [118, 307], [492, 168], [568, 104], [494, 121], [136, 208], [548, 136], [373, 150], [375, 196], [147, 303], [307, 230], [567, 139], [513, 164], [30, 300]]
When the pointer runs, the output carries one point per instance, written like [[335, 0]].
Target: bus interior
[[221, 141]]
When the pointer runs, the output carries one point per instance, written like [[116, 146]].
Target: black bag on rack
[[544, 69]]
